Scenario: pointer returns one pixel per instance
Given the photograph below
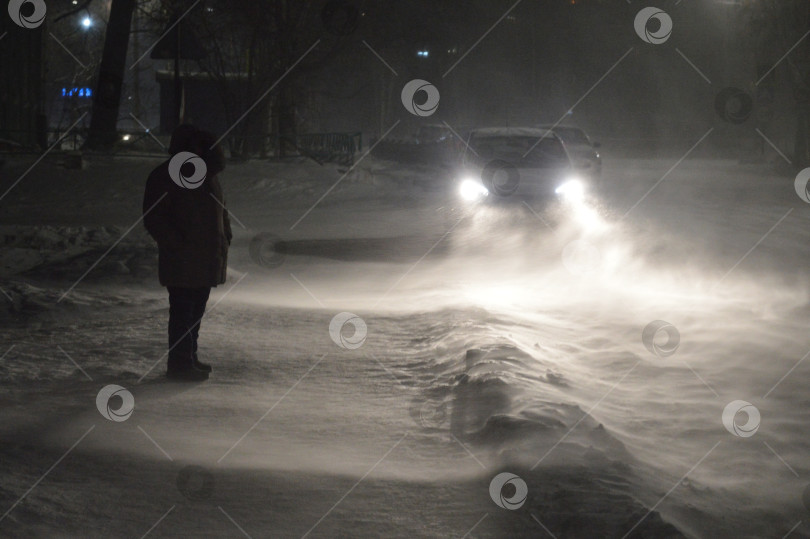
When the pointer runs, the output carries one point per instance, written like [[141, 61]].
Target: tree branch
[[73, 11]]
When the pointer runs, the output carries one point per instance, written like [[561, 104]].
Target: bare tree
[[259, 51], [779, 32], [107, 97]]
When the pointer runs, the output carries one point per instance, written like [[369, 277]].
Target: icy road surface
[[294, 435]]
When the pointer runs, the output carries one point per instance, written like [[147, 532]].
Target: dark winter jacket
[[190, 226]]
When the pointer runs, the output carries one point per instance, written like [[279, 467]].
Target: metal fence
[[321, 147], [330, 147]]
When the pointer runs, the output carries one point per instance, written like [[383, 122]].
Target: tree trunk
[[107, 97], [286, 124], [801, 148], [136, 73]]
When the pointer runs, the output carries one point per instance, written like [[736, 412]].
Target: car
[[520, 162], [582, 149], [433, 134]]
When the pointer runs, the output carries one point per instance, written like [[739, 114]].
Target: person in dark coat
[[193, 233]]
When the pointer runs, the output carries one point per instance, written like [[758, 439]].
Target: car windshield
[[432, 132], [547, 151], [572, 135]]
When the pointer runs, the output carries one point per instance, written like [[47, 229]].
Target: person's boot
[[205, 367], [184, 372]]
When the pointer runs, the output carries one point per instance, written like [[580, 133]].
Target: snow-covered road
[[402, 436]]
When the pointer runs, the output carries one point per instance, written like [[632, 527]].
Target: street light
[[87, 22]]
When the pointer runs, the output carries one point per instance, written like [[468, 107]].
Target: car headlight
[[572, 189], [472, 190]]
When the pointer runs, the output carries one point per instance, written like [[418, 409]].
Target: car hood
[[582, 152]]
